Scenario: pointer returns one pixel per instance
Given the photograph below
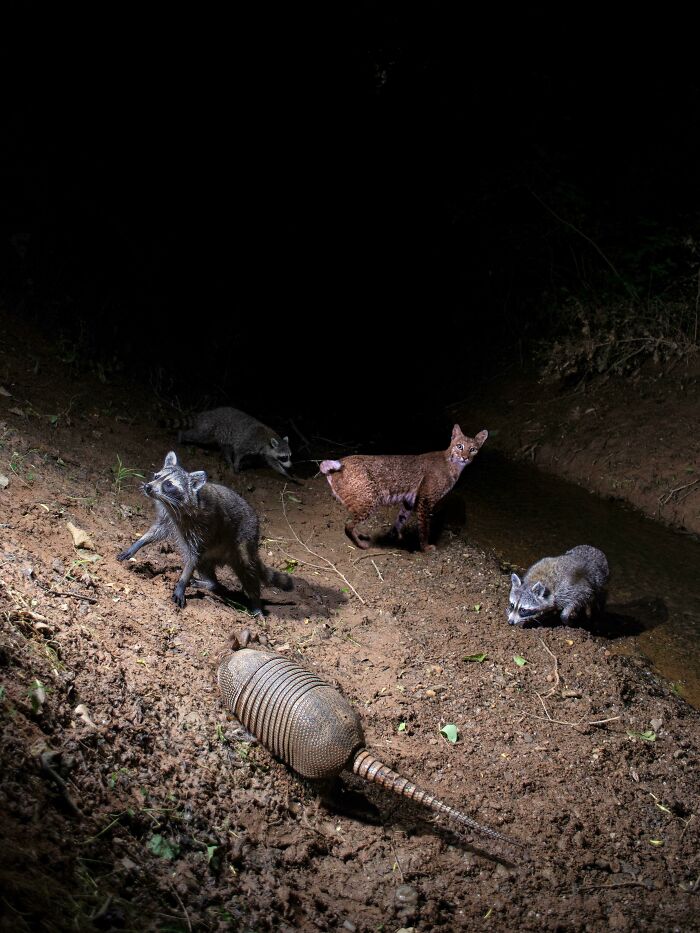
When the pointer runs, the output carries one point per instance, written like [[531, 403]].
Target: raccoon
[[413, 481], [239, 436], [571, 584], [212, 526]]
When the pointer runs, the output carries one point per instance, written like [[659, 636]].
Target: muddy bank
[[634, 439], [128, 802]]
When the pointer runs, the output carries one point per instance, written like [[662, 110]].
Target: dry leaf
[[80, 538]]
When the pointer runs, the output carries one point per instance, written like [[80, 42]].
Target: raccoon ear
[[481, 437], [515, 579], [170, 459], [539, 589], [274, 442], [286, 440], [198, 479]]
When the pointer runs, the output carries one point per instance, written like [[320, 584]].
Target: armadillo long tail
[[368, 767]]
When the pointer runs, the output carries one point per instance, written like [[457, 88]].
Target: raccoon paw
[[124, 555], [179, 597]]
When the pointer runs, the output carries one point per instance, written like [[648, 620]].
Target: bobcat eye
[[473, 450], [460, 446]]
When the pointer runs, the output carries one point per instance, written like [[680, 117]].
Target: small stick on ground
[[377, 556], [313, 553], [182, 906], [90, 599], [556, 671], [378, 571], [663, 500]]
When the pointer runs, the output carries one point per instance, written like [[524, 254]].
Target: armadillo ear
[[539, 588], [274, 442], [198, 479], [515, 579], [170, 459], [481, 437]]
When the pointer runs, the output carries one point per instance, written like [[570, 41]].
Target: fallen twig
[[666, 498], [90, 599], [373, 556], [378, 571], [556, 670], [319, 556]]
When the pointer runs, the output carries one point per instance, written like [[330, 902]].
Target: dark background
[[347, 213]]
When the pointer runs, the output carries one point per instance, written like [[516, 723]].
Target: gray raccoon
[[571, 584], [212, 526], [238, 435]]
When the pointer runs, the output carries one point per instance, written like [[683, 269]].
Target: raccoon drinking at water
[[572, 585], [212, 526]]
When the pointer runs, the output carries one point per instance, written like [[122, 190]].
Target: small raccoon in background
[[212, 526], [238, 435], [571, 584]]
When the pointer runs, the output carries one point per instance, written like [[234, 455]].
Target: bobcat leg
[[362, 541], [405, 513], [424, 509], [156, 532]]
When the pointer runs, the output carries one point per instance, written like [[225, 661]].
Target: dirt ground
[[636, 439], [128, 803]]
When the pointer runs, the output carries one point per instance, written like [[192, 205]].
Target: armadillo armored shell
[[300, 718]]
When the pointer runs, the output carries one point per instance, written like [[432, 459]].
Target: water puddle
[[522, 514]]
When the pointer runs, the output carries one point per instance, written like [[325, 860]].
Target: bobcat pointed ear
[[481, 437], [539, 588], [198, 479], [515, 579], [274, 442], [170, 459], [456, 430]]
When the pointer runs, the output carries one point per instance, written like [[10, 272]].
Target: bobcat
[[238, 435], [212, 526], [420, 481], [571, 584]]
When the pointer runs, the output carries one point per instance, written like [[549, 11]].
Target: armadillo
[[310, 725]]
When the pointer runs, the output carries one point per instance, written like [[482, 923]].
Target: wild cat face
[[528, 603], [463, 449], [280, 454], [173, 485]]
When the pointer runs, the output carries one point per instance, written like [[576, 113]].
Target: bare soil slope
[[128, 804], [635, 439]]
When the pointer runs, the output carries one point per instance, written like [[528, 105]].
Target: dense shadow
[[620, 621], [325, 598], [632, 618]]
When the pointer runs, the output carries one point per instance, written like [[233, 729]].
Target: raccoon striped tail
[[330, 466], [181, 423], [282, 581]]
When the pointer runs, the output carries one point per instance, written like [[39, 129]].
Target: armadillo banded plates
[[297, 716]]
